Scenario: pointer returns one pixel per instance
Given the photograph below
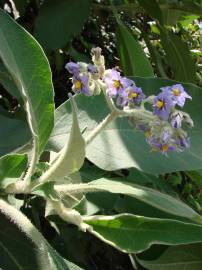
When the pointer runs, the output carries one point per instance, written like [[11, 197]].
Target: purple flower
[[176, 121], [122, 99], [183, 142], [92, 69], [162, 105], [178, 94], [81, 84], [164, 143], [135, 95], [115, 83], [72, 67]]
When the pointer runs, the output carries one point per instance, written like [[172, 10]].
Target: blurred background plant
[[156, 38]]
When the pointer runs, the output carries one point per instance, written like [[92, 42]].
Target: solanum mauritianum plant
[[106, 120]]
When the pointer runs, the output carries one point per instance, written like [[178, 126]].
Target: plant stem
[[33, 162], [69, 215], [101, 126]]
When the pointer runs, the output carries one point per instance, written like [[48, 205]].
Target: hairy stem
[[24, 225], [101, 126], [69, 215]]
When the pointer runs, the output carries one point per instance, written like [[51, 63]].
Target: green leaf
[[119, 145], [152, 8], [29, 68], [133, 59], [59, 21], [46, 190], [133, 234], [19, 249], [11, 167], [178, 56], [15, 134], [71, 157], [152, 197], [177, 258]]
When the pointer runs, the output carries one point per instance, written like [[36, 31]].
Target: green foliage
[[133, 59], [59, 22], [178, 56], [12, 166], [133, 234], [33, 253], [176, 258], [154, 198], [33, 78], [16, 134]]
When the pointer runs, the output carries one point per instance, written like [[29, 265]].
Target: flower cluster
[[122, 88], [162, 127]]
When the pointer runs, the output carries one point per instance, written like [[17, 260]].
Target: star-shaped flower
[[81, 84], [178, 94], [115, 83], [162, 105], [72, 67]]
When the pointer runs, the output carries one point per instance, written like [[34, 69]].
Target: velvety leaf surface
[[60, 21], [133, 59], [152, 197], [29, 68], [133, 234], [119, 145], [187, 257], [73, 154], [18, 252]]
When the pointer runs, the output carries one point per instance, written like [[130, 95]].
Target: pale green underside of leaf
[[29, 68], [119, 145], [150, 196], [72, 156], [133, 234]]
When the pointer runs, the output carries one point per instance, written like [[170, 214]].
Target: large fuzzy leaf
[[152, 197], [133, 234], [23, 247], [29, 68]]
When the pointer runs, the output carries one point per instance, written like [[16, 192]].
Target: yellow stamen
[[132, 95], [117, 84], [147, 133], [77, 85], [160, 104], [165, 147], [176, 92]]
